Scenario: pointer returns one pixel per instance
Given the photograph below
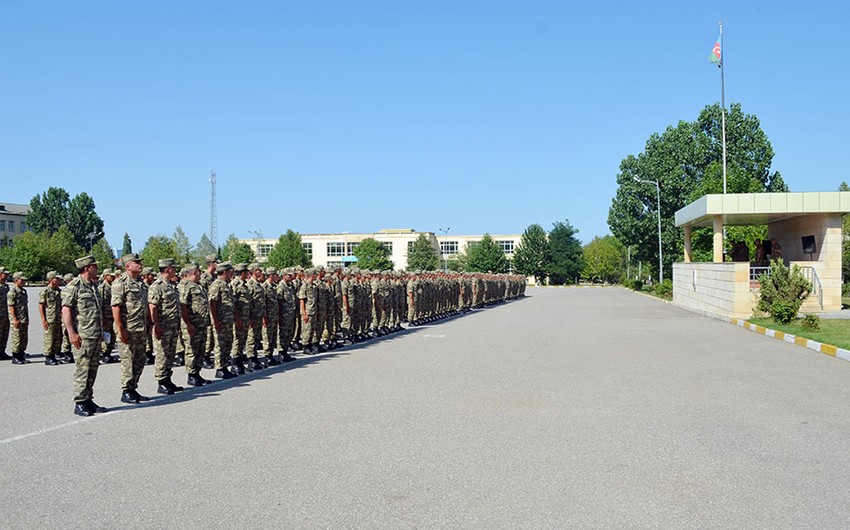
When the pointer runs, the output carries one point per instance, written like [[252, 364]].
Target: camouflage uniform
[[242, 316], [4, 314], [83, 301], [221, 307], [50, 298], [105, 289], [66, 344], [258, 313], [163, 296], [17, 299], [309, 294], [130, 296], [196, 308], [288, 300], [272, 313]]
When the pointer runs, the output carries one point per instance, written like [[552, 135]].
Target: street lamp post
[[90, 236], [658, 204], [445, 232]]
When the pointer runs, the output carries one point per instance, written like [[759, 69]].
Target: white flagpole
[[723, 104]]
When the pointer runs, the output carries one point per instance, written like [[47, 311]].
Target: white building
[[338, 249], [13, 221]]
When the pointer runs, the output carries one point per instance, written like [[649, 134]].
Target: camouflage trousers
[[296, 333], [307, 329], [133, 357], [4, 333], [53, 339], [20, 338], [223, 345], [286, 330], [66, 342], [255, 336], [107, 347], [320, 326], [271, 330], [87, 359], [240, 339], [212, 341], [164, 350], [195, 349]]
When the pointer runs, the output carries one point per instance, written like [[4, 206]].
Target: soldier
[[297, 279], [129, 299], [50, 309], [272, 320], [307, 301], [83, 316], [207, 278], [164, 306], [68, 357], [4, 315], [258, 308], [19, 316], [195, 310], [105, 289], [347, 303], [148, 277], [221, 310], [288, 299], [242, 316]]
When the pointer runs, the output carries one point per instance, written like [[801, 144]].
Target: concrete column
[[718, 238], [687, 243]]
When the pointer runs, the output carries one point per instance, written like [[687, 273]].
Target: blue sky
[[328, 116]]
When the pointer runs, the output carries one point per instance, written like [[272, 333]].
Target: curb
[[827, 349]]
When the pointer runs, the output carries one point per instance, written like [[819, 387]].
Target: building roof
[[15, 209], [761, 208]]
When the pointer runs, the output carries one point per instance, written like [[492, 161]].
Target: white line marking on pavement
[[54, 428], [432, 336]]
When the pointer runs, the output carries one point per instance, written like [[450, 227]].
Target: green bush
[[637, 285], [845, 289], [811, 322], [783, 291], [664, 288]]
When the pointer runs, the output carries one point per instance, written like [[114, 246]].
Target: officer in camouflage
[[221, 310], [17, 302], [164, 306], [129, 299], [195, 311], [50, 310]]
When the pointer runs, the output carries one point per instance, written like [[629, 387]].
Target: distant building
[[13, 221], [337, 250]]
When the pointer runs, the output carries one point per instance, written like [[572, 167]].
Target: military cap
[[3, 270], [188, 269], [167, 262], [320, 269], [146, 271], [131, 257], [254, 266], [270, 271], [85, 261], [108, 272], [222, 267], [51, 274], [212, 259], [68, 277], [240, 267], [19, 276]]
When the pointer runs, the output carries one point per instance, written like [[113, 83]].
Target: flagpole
[[723, 104]]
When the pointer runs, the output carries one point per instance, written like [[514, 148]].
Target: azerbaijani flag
[[715, 56]]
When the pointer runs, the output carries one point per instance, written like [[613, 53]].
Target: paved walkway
[[591, 408]]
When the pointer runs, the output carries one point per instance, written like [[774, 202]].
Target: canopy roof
[[761, 208]]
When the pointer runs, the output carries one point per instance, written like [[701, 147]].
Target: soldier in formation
[[4, 315], [129, 305], [50, 310]]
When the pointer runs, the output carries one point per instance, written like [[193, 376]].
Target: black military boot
[[172, 386], [180, 359], [81, 409], [272, 361], [150, 359], [208, 363], [196, 380], [50, 360], [164, 387], [20, 358], [127, 396], [255, 363], [237, 367], [224, 374], [94, 407]]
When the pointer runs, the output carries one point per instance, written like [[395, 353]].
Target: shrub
[[811, 322], [664, 288], [783, 291], [845, 289], [637, 285]]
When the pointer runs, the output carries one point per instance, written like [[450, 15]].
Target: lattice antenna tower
[[213, 212]]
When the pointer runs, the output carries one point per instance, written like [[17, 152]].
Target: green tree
[[531, 255], [604, 259], [83, 220], [49, 211], [237, 252], [373, 255], [423, 256], [181, 243], [203, 249], [104, 254], [782, 291], [36, 253], [156, 248], [485, 256], [288, 252], [565, 254], [127, 248], [685, 161]]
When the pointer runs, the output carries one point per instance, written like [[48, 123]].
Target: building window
[[11, 226], [410, 247], [336, 249], [448, 247], [387, 245], [335, 264], [263, 249], [3, 225], [308, 249], [507, 246], [349, 248], [23, 226]]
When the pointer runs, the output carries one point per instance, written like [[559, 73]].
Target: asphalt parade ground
[[589, 408]]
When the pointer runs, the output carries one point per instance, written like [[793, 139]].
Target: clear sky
[[329, 116]]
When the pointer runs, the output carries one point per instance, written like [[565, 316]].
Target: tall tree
[[485, 256], [127, 248], [49, 211], [423, 255], [531, 255], [84, 221], [181, 244], [104, 254], [237, 252], [373, 255], [156, 248], [35, 253], [604, 259], [685, 161], [288, 252], [565, 254], [204, 248]]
